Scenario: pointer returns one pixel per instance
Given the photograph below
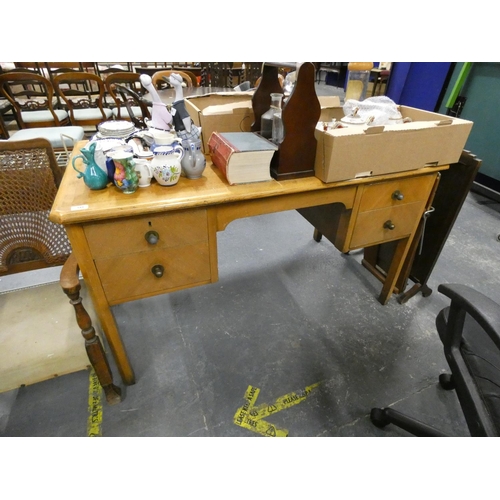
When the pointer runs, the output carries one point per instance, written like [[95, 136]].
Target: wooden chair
[[380, 80], [29, 179], [83, 94], [217, 74], [194, 79], [130, 81], [252, 71], [31, 96], [62, 139], [136, 108], [159, 78], [5, 109]]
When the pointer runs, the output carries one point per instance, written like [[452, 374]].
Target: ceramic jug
[[125, 176], [103, 146], [144, 172], [166, 164], [162, 138], [193, 163], [93, 176]]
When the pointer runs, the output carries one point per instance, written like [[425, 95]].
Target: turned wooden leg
[[317, 235], [71, 287]]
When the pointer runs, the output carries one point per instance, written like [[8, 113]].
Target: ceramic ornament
[[160, 117]]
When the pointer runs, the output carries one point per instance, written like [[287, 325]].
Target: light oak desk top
[[107, 229]]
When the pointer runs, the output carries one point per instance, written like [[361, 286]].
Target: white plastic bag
[[383, 110]]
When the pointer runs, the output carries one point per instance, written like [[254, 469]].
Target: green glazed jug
[[94, 177]]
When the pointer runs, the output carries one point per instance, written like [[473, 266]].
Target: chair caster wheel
[[446, 381], [378, 418]]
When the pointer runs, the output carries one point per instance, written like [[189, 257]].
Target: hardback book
[[242, 157]]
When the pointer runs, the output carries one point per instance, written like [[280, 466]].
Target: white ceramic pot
[[144, 172], [166, 164]]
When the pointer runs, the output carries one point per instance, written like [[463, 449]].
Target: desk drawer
[[126, 236], [129, 277], [386, 224], [396, 193]]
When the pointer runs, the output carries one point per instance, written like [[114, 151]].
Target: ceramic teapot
[[93, 176], [193, 163], [166, 164]]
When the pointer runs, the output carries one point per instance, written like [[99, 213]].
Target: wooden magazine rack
[[296, 154]]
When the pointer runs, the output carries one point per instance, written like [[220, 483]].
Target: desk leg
[[395, 268]]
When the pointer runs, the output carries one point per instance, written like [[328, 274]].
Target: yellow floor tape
[[94, 421], [251, 417]]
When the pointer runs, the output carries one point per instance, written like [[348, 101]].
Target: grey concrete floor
[[287, 313]]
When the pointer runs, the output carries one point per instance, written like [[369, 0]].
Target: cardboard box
[[358, 151], [329, 107], [221, 112]]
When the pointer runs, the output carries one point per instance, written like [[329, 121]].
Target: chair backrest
[[29, 178], [81, 90], [219, 74], [191, 75], [128, 79], [252, 71], [30, 92], [158, 78], [130, 99], [470, 331]]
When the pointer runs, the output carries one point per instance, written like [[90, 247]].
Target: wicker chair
[[29, 179]]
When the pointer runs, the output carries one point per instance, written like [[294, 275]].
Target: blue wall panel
[[417, 84]]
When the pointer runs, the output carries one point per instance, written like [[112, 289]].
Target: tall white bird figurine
[[160, 117], [183, 121]]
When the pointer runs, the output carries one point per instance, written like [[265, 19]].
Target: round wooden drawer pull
[[158, 270], [389, 225], [152, 237], [397, 195]]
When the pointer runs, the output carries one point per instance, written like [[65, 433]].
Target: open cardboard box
[[232, 112], [329, 107], [360, 151], [221, 112]]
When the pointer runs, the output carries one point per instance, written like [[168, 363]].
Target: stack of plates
[[115, 128]]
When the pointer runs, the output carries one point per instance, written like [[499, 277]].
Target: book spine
[[220, 151]]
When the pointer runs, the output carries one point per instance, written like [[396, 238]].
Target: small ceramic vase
[[194, 162], [125, 176]]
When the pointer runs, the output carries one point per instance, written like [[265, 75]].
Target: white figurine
[[182, 122], [160, 117], [180, 115]]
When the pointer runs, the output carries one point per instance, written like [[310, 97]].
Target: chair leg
[[385, 416], [70, 284]]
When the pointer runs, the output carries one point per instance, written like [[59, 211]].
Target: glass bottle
[[357, 81], [266, 121], [278, 131]]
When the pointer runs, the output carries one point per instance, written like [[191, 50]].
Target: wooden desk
[[108, 229]]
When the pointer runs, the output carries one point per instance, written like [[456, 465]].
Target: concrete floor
[[287, 313], [292, 318]]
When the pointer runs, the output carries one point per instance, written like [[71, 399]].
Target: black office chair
[[470, 331]]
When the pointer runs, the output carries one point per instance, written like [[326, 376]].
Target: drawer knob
[[397, 195], [389, 225], [158, 270], [152, 237]]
